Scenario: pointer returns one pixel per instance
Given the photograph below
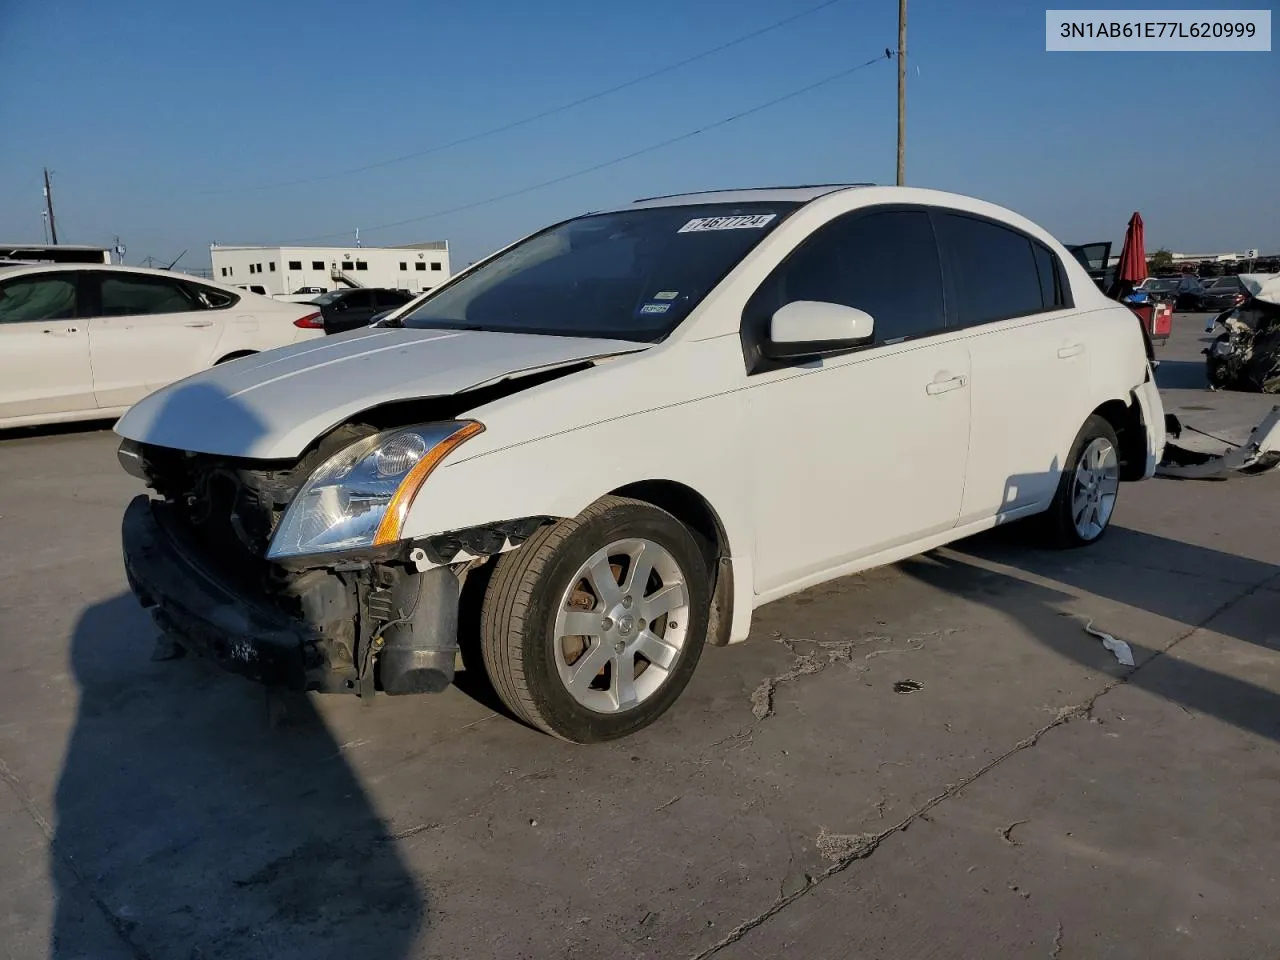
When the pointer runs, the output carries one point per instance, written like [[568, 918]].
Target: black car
[[1222, 293], [1160, 289], [356, 307]]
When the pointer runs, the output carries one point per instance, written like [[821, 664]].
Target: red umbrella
[[1132, 268]]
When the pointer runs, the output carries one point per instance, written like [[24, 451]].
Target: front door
[[44, 347], [147, 331], [861, 453]]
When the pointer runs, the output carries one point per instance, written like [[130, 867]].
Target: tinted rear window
[[993, 270]]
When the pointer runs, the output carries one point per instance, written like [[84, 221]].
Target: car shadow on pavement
[[1181, 375], [199, 829], [1115, 570]]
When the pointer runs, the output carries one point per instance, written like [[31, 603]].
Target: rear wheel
[[1088, 488], [593, 627]]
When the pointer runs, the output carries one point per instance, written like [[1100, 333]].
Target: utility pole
[[48, 205], [902, 92]]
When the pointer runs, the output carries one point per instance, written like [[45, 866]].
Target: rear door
[[44, 346], [146, 331], [1030, 362]]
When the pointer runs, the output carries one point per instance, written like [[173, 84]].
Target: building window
[[295, 264], [361, 265], [259, 268], [420, 266], [435, 265], [272, 265], [347, 264], [403, 265], [224, 271], [317, 264]]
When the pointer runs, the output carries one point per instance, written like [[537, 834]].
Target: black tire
[[520, 607], [1059, 525]]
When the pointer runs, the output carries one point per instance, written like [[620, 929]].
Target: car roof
[[44, 267], [802, 193]]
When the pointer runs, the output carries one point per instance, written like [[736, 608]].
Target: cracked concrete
[[1032, 798]]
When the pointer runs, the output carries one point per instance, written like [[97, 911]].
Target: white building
[[284, 270]]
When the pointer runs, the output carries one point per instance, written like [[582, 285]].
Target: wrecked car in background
[[603, 446], [1247, 355]]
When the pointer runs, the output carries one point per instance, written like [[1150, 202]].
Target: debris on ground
[[1121, 649], [1007, 832], [907, 686], [1259, 454], [842, 846]]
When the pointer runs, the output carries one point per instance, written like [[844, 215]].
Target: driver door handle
[[64, 332], [199, 323], [1073, 350], [945, 386]]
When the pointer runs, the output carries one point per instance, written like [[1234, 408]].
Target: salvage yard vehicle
[[81, 342], [1247, 356], [602, 447]]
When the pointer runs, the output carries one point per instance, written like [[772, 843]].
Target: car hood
[[272, 405]]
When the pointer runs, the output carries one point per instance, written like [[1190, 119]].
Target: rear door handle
[[199, 323], [945, 386], [64, 332], [1066, 353]]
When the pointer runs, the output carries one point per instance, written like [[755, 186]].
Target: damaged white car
[[601, 448]]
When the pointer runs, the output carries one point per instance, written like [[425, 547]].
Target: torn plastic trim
[[1259, 454], [472, 543]]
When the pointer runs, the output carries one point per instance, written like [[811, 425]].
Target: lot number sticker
[[743, 222]]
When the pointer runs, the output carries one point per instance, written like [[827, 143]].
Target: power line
[[552, 111], [608, 163]]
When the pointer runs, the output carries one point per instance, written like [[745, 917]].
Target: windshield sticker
[[666, 295], [655, 308], [743, 222]]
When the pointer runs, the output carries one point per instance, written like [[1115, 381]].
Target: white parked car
[[79, 342], [602, 447]]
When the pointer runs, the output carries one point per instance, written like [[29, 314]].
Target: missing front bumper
[[207, 614]]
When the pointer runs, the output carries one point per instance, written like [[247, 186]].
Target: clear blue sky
[[142, 109]]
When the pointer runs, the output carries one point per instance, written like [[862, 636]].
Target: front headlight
[[359, 497]]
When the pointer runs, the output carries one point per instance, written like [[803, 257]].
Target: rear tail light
[[312, 321]]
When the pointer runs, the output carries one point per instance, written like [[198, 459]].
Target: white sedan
[[603, 447], [83, 342]]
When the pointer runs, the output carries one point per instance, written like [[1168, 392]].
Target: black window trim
[[750, 339], [1061, 284]]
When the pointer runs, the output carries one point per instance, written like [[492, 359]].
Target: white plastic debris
[[1121, 649]]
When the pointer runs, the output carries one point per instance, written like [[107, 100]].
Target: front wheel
[[1085, 500], [592, 628]]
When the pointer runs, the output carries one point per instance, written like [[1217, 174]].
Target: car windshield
[[1161, 286], [327, 298], [632, 275]]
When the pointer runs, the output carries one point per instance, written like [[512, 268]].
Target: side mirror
[[807, 328]]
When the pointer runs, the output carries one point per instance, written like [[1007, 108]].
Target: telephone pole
[[48, 206], [902, 92]]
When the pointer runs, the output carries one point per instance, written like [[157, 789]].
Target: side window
[[993, 270], [213, 299], [124, 295], [1052, 294], [884, 263], [39, 297]]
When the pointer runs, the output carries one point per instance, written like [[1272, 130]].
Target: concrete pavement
[[1025, 797]]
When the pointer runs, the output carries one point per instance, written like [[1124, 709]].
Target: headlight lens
[[359, 497]]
